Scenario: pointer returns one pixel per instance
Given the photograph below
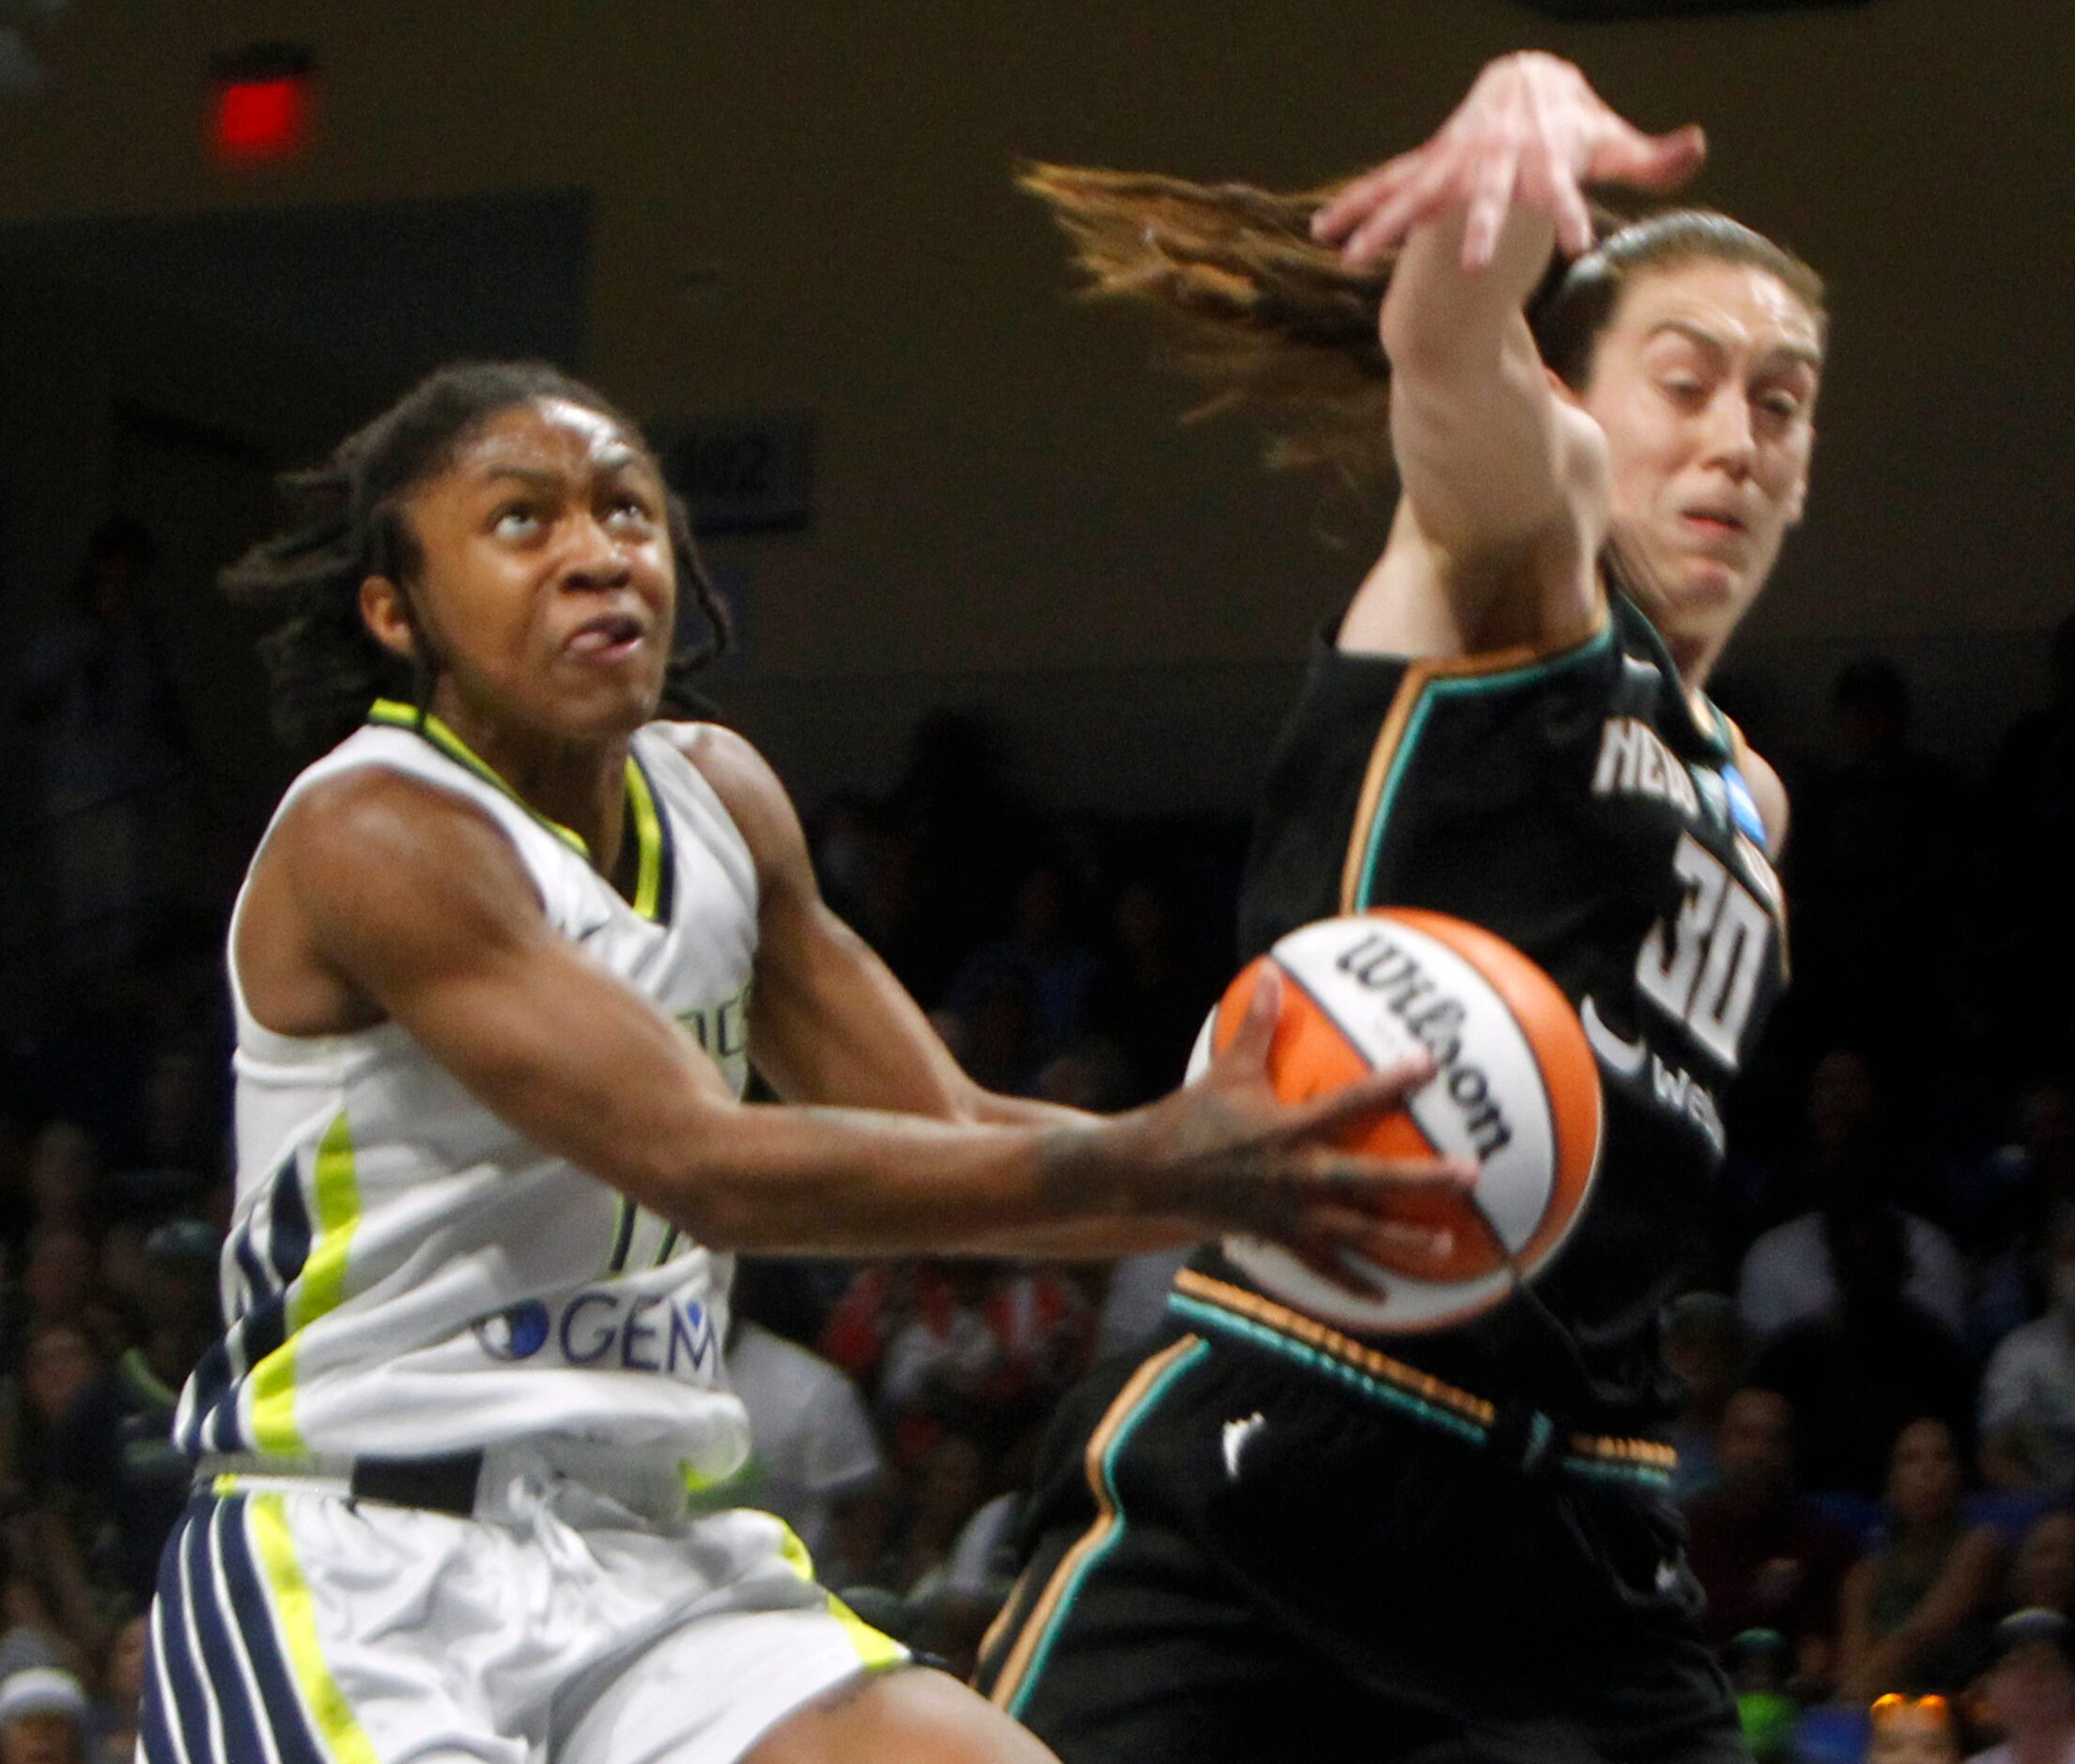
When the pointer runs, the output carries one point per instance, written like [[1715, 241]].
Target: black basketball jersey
[[1574, 804]]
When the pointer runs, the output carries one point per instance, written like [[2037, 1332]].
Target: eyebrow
[[1808, 354], [617, 460]]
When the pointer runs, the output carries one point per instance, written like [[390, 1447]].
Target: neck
[[1695, 657], [578, 783]]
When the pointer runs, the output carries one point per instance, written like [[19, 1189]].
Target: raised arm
[[408, 904], [1504, 511]]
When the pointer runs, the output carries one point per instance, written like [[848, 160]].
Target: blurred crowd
[[1878, 1439]]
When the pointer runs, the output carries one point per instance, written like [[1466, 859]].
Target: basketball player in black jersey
[[1269, 1540]]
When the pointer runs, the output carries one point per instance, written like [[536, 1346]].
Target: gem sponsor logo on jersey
[[608, 1330]]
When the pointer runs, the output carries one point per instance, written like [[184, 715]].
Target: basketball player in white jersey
[[501, 967]]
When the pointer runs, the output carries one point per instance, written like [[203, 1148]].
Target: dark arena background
[[1017, 638]]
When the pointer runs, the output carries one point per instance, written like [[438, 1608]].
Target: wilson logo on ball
[[1515, 1090]]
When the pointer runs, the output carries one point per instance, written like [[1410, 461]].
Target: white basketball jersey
[[406, 1275]]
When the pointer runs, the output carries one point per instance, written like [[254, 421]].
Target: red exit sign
[[259, 103]]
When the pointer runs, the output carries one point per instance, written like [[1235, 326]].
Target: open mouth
[[609, 637], [1712, 523]]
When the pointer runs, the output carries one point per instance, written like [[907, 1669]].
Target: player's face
[[546, 580], [1703, 382]]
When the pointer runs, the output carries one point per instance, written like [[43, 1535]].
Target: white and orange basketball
[[1516, 1092]]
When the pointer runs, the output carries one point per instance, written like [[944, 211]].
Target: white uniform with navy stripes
[[408, 1279]]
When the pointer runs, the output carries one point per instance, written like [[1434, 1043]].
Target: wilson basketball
[[1516, 1092]]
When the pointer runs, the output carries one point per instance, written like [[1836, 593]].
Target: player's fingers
[[1491, 195], [1334, 1243], [1379, 1092], [1661, 162], [1359, 197], [1247, 1050], [1420, 198], [1548, 183]]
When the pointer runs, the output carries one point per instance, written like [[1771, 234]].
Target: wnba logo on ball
[[516, 1333]]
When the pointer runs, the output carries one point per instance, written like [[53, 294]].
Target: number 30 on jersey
[[1703, 966]]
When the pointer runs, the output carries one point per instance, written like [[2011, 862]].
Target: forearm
[[815, 1181], [1437, 311]]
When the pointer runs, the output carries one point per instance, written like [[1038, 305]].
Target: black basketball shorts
[[1267, 1541]]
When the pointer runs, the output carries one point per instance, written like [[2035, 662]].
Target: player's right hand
[[1531, 133], [1227, 1155]]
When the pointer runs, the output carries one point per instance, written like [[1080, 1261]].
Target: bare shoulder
[[364, 872], [1767, 790], [374, 819], [749, 789]]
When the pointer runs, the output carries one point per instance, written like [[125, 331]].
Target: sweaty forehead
[[1742, 306], [548, 434]]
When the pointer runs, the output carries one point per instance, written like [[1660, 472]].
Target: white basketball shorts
[[294, 1625]]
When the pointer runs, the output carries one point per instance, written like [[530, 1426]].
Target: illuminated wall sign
[[259, 103], [741, 474]]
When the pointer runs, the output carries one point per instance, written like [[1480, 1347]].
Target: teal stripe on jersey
[[1439, 690]]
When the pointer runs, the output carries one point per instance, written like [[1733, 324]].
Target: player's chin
[[593, 703]]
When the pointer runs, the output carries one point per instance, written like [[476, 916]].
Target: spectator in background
[[1875, 1362], [130, 1479], [815, 1460], [2031, 799], [1914, 1730], [1148, 996], [2030, 1690], [1704, 1350], [42, 1718], [100, 685], [2027, 1414], [1789, 1275], [1767, 1559], [62, 1177], [1913, 1615], [59, 1365], [115, 1715], [2011, 1207], [1874, 867], [1045, 957], [987, 1347], [2042, 1573]]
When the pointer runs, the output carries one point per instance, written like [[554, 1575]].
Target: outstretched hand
[[1531, 133], [1230, 1157]]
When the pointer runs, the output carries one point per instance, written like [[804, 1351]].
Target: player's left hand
[[1531, 133]]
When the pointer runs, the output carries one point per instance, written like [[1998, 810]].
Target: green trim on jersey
[[319, 1289], [393, 715], [1440, 686], [650, 841], [648, 838]]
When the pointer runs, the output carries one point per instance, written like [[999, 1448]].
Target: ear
[[387, 616]]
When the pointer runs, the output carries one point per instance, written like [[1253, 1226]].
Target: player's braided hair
[[1274, 320], [347, 522]]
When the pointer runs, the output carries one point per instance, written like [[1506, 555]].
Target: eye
[[516, 520], [1780, 404], [1687, 391], [630, 511]]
